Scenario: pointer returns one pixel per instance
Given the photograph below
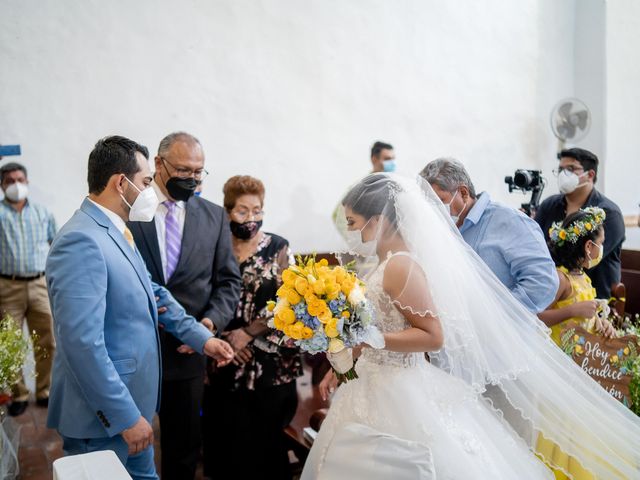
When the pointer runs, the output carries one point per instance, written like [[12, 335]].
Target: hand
[[208, 323], [161, 310], [357, 350], [238, 338], [586, 309], [138, 437], [243, 356], [604, 327], [185, 349], [328, 384], [219, 350]]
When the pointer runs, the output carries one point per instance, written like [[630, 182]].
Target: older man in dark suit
[[187, 248]]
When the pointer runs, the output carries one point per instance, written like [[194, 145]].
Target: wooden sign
[[607, 361]]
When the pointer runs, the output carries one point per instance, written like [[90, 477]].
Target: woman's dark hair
[[110, 156], [370, 197], [571, 255]]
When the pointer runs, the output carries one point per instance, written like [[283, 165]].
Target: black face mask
[[246, 230], [181, 188]]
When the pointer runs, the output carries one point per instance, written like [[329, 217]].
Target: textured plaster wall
[[292, 92]]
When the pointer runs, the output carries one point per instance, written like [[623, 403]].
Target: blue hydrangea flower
[[316, 344]]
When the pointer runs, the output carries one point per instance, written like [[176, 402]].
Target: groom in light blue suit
[[106, 374]]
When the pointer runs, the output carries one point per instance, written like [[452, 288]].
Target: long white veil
[[493, 342]]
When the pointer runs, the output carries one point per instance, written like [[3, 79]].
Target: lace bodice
[[388, 319]]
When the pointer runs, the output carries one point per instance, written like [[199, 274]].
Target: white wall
[[623, 103], [292, 92]]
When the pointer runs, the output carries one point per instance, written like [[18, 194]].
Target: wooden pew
[[631, 280], [310, 412]]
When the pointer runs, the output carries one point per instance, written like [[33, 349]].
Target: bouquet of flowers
[[630, 325], [324, 309], [13, 352]]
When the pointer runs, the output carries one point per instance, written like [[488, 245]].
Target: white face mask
[[17, 192], [455, 218], [593, 262], [568, 182], [357, 246], [144, 206]]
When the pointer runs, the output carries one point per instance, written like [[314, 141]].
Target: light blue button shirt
[[513, 247], [25, 238]]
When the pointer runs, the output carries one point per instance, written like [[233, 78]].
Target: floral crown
[[572, 232]]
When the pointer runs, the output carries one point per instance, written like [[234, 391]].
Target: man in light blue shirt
[[509, 242], [26, 230]]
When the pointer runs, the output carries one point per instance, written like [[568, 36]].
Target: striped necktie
[[173, 238]]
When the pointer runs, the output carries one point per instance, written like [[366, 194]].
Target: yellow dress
[[581, 290]]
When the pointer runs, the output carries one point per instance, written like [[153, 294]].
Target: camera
[[527, 181]]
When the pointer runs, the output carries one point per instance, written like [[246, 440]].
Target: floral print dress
[[274, 361]]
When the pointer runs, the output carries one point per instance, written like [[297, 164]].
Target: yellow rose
[[340, 274], [287, 316], [626, 351], [333, 290], [335, 345], [346, 314], [271, 305], [579, 349], [331, 328], [307, 333], [282, 303], [289, 277], [292, 296], [614, 359], [287, 329], [576, 230], [297, 329], [347, 285], [576, 338], [316, 307], [588, 226], [562, 234], [301, 285], [279, 324], [325, 316], [318, 287]]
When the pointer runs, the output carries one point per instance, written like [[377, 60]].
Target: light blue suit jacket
[[107, 368]]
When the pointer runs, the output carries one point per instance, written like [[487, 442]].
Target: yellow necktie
[[129, 237]]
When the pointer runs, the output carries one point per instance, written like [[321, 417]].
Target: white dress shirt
[[161, 229], [114, 217]]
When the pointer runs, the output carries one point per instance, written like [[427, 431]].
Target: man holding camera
[[508, 241], [577, 173]]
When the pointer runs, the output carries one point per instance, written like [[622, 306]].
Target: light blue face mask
[[389, 165]]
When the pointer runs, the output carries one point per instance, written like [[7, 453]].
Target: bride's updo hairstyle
[[373, 196]]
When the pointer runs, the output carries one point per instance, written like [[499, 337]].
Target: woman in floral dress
[[249, 402]]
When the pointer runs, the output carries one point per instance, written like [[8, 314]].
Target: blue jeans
[[140, 466]]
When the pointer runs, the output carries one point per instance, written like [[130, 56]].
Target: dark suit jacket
[[609, 271], [206, 280]]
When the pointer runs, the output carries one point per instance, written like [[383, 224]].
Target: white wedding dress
[[404, 418]]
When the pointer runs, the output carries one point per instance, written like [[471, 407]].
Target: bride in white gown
[[408, 418]]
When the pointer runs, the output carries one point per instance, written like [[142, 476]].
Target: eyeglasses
[[199, 174], [243, 215], [570, 169]]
